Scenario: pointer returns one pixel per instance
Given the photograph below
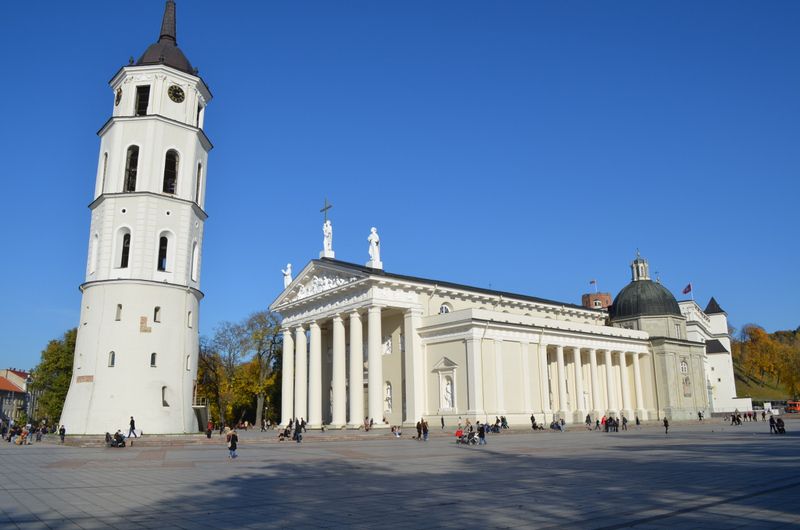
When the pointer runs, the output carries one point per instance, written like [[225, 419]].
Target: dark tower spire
[[168, 23]]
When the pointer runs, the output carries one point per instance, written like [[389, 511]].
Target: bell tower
[[137, 344]]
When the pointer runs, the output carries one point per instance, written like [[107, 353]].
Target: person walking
[[624, 423], [666, 427], [62, 432], [772, 427], [209, 429], [638, 422], [419, 430], [425, 430], [588, 422], [233, 443], [481, 433], [442, 422], [132, 430]]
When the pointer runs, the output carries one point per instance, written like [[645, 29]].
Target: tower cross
[[325, 209]]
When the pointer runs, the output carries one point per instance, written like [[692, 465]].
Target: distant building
[[13, 393], [596, 300]]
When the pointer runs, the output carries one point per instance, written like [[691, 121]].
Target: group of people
[[737, 417], [293, 431], [19, 434]]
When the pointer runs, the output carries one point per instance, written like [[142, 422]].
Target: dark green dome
[[643, 298]]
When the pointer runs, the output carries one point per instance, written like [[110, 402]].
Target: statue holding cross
[[327, 233]]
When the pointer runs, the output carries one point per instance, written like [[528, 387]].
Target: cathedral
[[361, 343]]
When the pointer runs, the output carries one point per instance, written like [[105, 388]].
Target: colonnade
[[601, 402], [302, 362]]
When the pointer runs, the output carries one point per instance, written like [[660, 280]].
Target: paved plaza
[[706, 475]]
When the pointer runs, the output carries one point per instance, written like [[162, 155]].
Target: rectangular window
[[119, 312], [199, 112], [142, 99], [189, 319], [157, 314]]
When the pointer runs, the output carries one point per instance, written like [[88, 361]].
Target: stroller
[[469, 438], [780, 426]]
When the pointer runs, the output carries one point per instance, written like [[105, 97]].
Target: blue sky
[[525, 146]]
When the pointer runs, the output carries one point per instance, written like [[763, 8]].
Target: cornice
[[139, 281], [200, 132], [102, 197]]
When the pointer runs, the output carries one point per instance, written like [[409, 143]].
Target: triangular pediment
[[444, 364], [315, 279]]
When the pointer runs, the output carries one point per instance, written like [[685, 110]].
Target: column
[[562, 383], [544, 381], [526, 378], [474, 377], [315, 377], [498, 377], [415, 375], [356, 371], [611, 396], [375, 364], [339, 405], [637, 382], [580, 407], [300, 373], [287, 384], [595, 383], [626, 389]]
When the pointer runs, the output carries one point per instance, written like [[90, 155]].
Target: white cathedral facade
[[137, 344], [362, 343]]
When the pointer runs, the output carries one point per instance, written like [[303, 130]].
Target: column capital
[[375, 308], [299, 328], [354, 313], [576, 349], [337, 318], [313, 324]]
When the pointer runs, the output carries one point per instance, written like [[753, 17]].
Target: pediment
[[314, 280], [444, 365]]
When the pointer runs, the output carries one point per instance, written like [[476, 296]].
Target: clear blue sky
[[525, 145]]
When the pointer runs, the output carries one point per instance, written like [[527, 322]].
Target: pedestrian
[[588, 422], [419, 430], [638, 423], [624, 423], [699, 415], [132, 430], [61, 433], [666, 427], [209, 429], [481, 433], [533, 422], [233, 442], [597, 424], [425, 430], [772, 428], [442, 422], [303, 425]]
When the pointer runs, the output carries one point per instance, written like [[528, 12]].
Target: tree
[[53, 374], [264, 343]]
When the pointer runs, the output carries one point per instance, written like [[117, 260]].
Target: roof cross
[[325, 209]]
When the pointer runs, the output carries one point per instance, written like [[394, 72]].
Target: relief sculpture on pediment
[[321, 283]]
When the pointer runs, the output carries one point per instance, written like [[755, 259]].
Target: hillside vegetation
[[767, 365]]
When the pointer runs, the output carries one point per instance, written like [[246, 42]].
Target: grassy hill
[[759, 390]]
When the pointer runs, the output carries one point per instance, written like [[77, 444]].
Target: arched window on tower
[[163, 243], [170, 172], [131, 165], [126, 251], [198, 183], [95, 251], [152, 360], [103, 172], [112, 359], [195, 261], [157, 314]]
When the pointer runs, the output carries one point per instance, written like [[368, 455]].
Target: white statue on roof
[[287, 275], [327, 240], [374, 249]]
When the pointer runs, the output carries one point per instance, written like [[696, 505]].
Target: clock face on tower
[[176, 93], [118, 97]]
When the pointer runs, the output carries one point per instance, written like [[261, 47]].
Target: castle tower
[[137, 345]]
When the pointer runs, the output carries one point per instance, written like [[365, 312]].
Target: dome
[[166, 50], [643, 298]]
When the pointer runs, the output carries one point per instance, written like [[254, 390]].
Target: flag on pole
[[592, 282], [687, 289]]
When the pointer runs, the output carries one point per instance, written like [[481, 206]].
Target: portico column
[[626, 390], [526, 378], [611, 396], [356, 371], [498, 376], [637, 382], [375, 365], [300, 373], [544, 380], [580, 408], [315, 377], [287, 384], [339, 405], [415, 375], [474, 377], [562, 383], [595, 383]]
